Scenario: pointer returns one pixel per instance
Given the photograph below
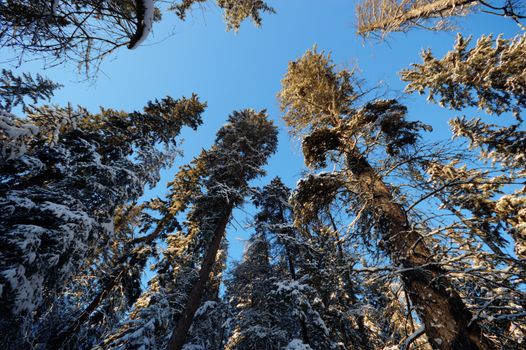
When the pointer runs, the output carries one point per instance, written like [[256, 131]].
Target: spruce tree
[[175, 294], [58, 199], [15, 90], [490, 76]]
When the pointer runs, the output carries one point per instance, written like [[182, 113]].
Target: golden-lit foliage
[[491, 75], [313, 94], [385, 16], [186, 185]]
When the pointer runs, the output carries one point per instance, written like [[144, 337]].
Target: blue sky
[[243, 70]]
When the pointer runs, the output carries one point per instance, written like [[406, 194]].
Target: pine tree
[[58, 200], [319, 102]]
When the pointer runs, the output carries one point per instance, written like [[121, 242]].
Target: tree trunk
[[448, 323], [180, 333]]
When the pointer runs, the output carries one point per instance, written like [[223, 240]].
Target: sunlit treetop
[[314, 94]]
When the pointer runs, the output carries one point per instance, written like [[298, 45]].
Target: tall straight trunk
[[180, 333], [448, 323]]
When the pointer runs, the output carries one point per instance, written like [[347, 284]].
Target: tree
[[69, 323], [292, 289], [235, 11], [15, 89], [319, 102], [242, 148], [132, 257], [483, 191], [210, 324], [489, 76], [169, 305], [270, 310], [386, 16], [51, 228], [86, 31]]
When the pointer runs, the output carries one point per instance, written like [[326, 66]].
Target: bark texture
[[448, 323], [184, 323]]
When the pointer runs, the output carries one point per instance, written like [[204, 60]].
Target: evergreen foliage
[[87, 31], [59, 198], [386, 242]]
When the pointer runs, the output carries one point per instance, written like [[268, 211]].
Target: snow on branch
[[145, 11]]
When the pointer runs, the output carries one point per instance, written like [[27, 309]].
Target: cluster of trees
[[387, 242]]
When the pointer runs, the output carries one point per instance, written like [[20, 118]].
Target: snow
[[193, 347], [13, 135], [288, 286], [203, 309], [147, 22], [297, 344]]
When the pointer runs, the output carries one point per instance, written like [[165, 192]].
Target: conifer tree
[[386, 16], [14, 90], [242, 148], [489, 76], [283, 293], [59, 198], [210, 325], [319, 102], [87, 31], [169, 305], [69, 311]]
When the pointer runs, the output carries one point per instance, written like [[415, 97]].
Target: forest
[[262, 175]]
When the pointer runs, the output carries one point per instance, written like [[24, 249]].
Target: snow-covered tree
[[319, 103], [489, 76], [275, 296], [210, 325], [164, 314], [58, 200], [483, 188]]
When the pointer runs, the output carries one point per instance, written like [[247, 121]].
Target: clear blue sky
[[233, 71]]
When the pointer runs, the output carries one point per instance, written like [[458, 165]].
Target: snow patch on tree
[[297, 344], [147, 22]]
